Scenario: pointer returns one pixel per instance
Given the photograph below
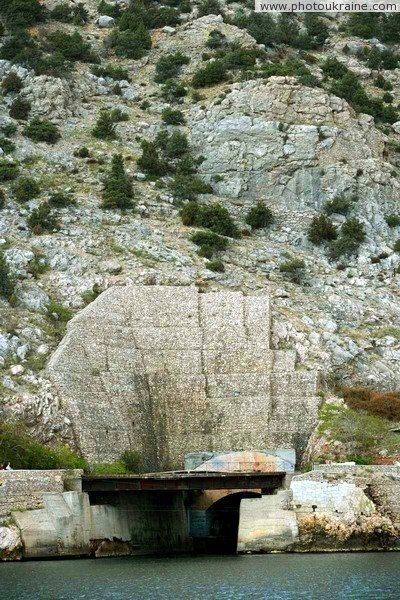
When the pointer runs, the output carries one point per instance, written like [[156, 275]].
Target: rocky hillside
[[283, 135]]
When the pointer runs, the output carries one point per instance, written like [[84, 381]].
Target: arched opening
[[220, 528]]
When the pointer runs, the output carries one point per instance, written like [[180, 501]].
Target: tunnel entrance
[[220, 525]]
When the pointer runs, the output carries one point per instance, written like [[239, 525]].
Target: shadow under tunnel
[[220, 529]]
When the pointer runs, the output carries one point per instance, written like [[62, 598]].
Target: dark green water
[[286, 577]]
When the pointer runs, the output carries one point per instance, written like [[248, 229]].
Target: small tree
[[105, 126], [118, 191], [7, 281], [259, 216]]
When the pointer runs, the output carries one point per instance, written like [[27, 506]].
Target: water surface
[[273, 577]]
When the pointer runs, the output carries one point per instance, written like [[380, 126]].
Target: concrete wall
[[267, 524], [25, 489], [68, 525], [166, 370]]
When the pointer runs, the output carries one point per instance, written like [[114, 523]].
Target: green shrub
[[209, 239], [61, 200], [6, 145], [110, 10], [321, 230], [216, 39], [133, 461], [188, 187], [259, 216], [11, 84], [82, 152], [58, 312], [217, 266], [23, 452], [173, 117], [396, 247], [354, 230], [118, 191], [292, 266], [71, 46], [387, 98], [42, 130], [8, 170], [116, 73], [19, 14], [76, 14], [334, 69], [352, 234], [26, 189], [340, 205], [218, 219], [2, 199], [210, 7], [9, 129], [214, 217], [130, 44], [212, 73], [42, 219], [169, 67], [38, 265], [7, 281], [173, 91], [392, 220], [20, 109]]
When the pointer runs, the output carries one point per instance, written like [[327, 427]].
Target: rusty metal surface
[[182, 481]]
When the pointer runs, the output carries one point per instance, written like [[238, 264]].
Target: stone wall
[[166, 370], [25, 489]]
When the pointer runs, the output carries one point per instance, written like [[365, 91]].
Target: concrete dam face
[[168, 371]]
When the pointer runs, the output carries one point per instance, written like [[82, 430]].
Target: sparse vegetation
[[380, 404], [43, 219], [340, 205], [392, 220], [23, 452]]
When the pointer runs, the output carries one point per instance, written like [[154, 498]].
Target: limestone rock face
[[166, 371], [291, 146]]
